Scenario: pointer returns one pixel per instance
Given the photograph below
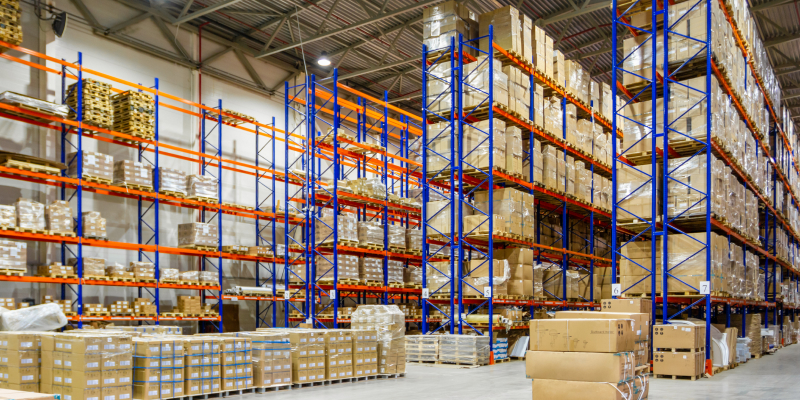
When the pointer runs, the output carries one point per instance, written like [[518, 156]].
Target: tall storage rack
[[148, 245], [335, 139], [457, 180], [654, 170]]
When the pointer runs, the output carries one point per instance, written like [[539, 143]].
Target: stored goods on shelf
[[30, 214], [91, 266], [370, 233], [478, 279], [203, 187], [371, 270], [412, 276], [552, 283], [142, 270], [464, 349], [476, 86], [134, 114], [93, 225], [118, 271], [197, 234], [169, 275], [55, 269], [95, 166], [394, 271], [59, 217], [13, 255], [347, 267], [96, 107], [133, 173], [172, 181], [413, 240], [347, 229], [41, 106], [443, 22]]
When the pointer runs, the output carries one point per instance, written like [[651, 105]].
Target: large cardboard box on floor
[[681, 363], [582, 335], [679, 336], [627, 305], [548, 389], [584, 367], [641, 321]]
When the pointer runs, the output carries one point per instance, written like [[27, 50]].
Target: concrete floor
[[774, 377]]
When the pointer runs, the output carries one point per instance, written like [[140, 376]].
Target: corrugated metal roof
[[582, 34]]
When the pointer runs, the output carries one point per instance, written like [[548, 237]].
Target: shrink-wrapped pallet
[[371, 270], [202, 186], [347, 267], [13, 255], [30, 214], [370, 233], [59, 217], [96, 165], [172, 181], [197, 234], [93, 225], [133, 173]]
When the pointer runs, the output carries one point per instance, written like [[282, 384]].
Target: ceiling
[[376, 44]]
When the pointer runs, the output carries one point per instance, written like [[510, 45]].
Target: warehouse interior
[[592, 199]]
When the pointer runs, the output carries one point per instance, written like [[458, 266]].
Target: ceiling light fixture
[[323, 59]]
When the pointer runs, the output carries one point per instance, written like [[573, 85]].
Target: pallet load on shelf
[[13, 256], [478, 281], [347, 268], [412, 277], [144, 307], [92, 267], [464, 349], [370, 234], [134, 114], [97, 109], [346, 226], [88, 365], [202, 188], [30, 215], [518, 101], [10, 23], [394, 272], [198, 277], [553, 282], [133, 174], [142, 270], [169, 275], [524, 279], [172, 182], [396, 236], [59, 218], [506, 214], [422, 348], [445, 21], [120, 307], [414, 241], [370, 271], [584, 358], [93, 225], [752, 326], [118, 271], [679, 350], [198, 235], [96, 167], [64, 305], [390, 324], [687, 264]]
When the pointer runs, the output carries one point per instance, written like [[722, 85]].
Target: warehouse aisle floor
[[773, 377]]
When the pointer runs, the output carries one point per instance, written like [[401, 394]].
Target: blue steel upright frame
[[266, 201], [211, 144], [152, 210]]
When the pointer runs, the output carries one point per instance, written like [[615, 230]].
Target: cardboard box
[[627, 305], [679, 336], [548, 389], [682, 363], [584, 367], [582, 335], [641, 321]]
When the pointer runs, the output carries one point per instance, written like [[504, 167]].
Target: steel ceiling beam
[[780, 40], [362, 42], [173, 41], [572, 13], [770, 4], [375, 68], [133, 21], [88, 14], [350, 27], [207, 10], [787, 71], [250, 70]]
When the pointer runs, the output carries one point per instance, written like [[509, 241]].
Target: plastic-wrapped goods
[[59, 217], [464, 349], [414, 239], [172, 181], [347, 229], [370, 233], [395, 271], [13, 255], [190, 276], [207, 277], [478, 280], [506, 210], [514, 151], [476, 144], [133, 173], [8, 216], [159, 372], [371, 270], [93, 225], [118, 271], [96, 165], [412, 276], [390, 324], [397, 236], [91, 266], [347, 267], [30, 214], [422, 347], [202, 186], [476, 75], [439, 278], [142, 270], [20, 99], [169, 275], [553, 285], [197, 234], [43, 317], [440, 149]]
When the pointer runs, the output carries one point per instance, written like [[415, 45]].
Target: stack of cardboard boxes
[[201, 371], [120, 307], [197, 234], [442, 23], [96, 166], [30, 214], [236, 359], [66, 305], [158, 368], [679, 350], [202, 187], [134, 174], [172, 181], [142, 271], [13, 255], [94, 225], [143, 307], [189, 305], [390, 325], [20, 361], [89, 365], [59, 218]]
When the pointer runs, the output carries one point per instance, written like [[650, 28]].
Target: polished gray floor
[[774, 377]]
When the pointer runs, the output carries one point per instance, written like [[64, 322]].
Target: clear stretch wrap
[[464, 349], [207, 277], [158, 365], [422, 347], [172, 180], [202, 364], [347, 267], [91, 266], [169, 274], [202, 186], [414, 239], [15, 99], [397, 236], [687, 186], [553, 286], [438, 278], [13, 255], [94, 225], [189, 276], [30, 214], [197, 234], [142, 269], [95, 165], [271, 358], [371, 269], [476, 144], [44, 317], [395, 271], [390, 324], [345, 223], [8, 216], [479, 280], [129, 172], [477, 83], [370, 233], [59, 217], [118, 271], [373, 187], [412, 275]]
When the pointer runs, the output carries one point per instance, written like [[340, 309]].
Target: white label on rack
[[705, 287], [234, 298], [487, 292], [308, 320], [287, 295], [616, 289], [424, 293], [332, 294]]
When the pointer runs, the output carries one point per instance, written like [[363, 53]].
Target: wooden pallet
[[234, 205], [122, 279], [146, 280], [97, 314], [171, 314], [371, 246], [396, 285], [11, 272], [96, 278], [372, 283], [59, 276], [353, 282], [60, 233], [674, 377], [341, 242], [96, 179], [9, 162], [172, 193], [413, 286], [198, 247], [203, 199], [31, 230], [134, 186], [170, 281]]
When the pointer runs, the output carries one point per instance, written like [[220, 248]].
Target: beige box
[[681, 363], [573, 366], [546, 389], [582, 335], [679, 336]]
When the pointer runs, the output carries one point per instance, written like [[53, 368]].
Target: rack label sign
[[287, 295], [705, 287], [424, 293], [487, 292], [616, 289], [332, 294]]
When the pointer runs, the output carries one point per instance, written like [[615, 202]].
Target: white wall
[[175, 128]]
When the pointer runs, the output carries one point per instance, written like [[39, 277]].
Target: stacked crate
[[422, 348], [96, 107], [144, 308], [679, 350], [134, 114], [464, 349], [10, 23]]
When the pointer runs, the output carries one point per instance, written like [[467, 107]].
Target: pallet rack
[[659, 225], [148, 247], [457, 181]]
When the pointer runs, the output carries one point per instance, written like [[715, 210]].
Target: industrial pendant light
[[323, 59]]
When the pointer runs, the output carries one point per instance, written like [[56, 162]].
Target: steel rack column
[[266, 153], [206, 215], [152, 210], [486, 177], [385, 181], [433, 183], [78, 193], [618, 207], [297, 103]]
